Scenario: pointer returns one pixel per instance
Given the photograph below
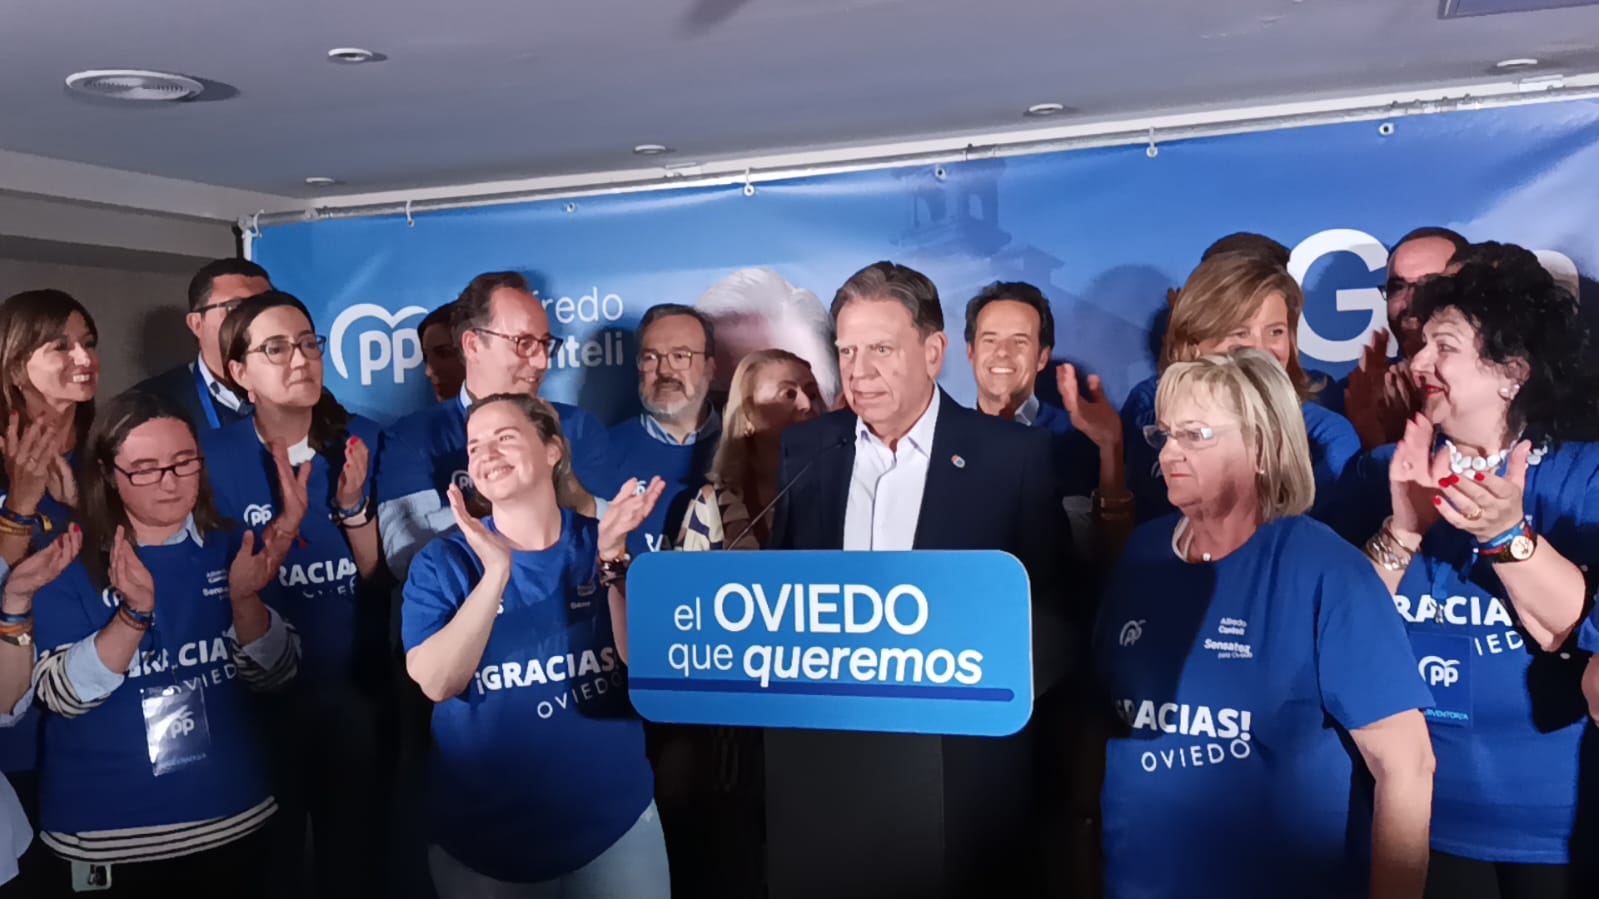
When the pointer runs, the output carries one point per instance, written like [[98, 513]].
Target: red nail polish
[[1437, 500], [1481, 476], [1444, 482]]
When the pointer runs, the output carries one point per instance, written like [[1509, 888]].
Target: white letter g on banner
[[1352, 299]]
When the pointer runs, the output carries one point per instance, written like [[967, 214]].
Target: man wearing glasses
[[1380, 396], [675, 437], [195, 386], [504, 336]]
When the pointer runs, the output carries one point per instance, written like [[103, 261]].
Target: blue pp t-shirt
[[1508, 729], [640, 455], [95, 769], [319, 586], [1235, 684], [1333, 444], [427, 451], [539, 766]]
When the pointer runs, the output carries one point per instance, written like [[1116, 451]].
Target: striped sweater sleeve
[[71, 680], [271, 661]]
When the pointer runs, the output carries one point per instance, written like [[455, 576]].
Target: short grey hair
[[1252, 385], [902, 284]]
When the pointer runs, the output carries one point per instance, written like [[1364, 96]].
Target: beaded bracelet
[[138, 620], [8, 618]]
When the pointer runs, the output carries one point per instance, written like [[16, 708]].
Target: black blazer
[[1001, 495], [178, 385]]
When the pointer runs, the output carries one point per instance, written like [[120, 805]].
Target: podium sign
[[927, 642]]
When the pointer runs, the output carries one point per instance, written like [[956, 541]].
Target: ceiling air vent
[[134, 85]]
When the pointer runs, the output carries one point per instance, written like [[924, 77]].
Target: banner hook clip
[[749, 186], [409, 222], [1152, 151], [255, 224]]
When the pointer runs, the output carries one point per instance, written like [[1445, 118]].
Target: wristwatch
[[1519, 547]]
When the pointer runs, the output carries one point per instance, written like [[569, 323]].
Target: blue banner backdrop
[[1103, 232]]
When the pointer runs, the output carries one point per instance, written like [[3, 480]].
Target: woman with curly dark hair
[[1494, 500]]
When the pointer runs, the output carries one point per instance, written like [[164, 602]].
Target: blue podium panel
[[929, 642]]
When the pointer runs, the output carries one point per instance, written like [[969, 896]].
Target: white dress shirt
[[885, 487], [219, 391]]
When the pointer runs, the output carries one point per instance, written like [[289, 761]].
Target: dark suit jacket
[[1003, 497], [178, 385], [899, 814]]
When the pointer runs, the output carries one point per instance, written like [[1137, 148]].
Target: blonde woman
[[1263, 702], [1232, 301], [711, 778], [770, 390]]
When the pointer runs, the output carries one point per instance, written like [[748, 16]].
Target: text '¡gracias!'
[[821, 610]]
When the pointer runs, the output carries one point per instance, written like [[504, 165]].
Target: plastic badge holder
[[175, 727]]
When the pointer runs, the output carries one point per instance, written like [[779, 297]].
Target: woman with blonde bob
[[1236, 300], [717, 837], [1265, 735]]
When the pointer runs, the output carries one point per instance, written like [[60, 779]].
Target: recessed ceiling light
[[137, 85], [651, 149], [1039, 110], [321, 181], [1520, 62], [352, 55]]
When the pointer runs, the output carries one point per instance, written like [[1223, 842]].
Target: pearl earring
[[1510, 392]]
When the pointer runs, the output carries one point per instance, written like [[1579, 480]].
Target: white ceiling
[[479, 90]]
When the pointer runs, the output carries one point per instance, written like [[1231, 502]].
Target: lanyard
[[207, 402]]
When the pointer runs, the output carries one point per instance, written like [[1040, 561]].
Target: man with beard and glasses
[[1379, 396], [675, 438]]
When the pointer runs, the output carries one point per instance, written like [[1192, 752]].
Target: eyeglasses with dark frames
[[526, 345], [149, 477]]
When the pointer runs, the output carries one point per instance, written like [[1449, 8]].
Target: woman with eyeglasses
[[1265, 738], [1235, 300], [515, 628], [1491, 553], [328, 729], [153, 776]]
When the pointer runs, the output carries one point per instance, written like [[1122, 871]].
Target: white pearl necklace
[[1459, 463], [1182, 546]]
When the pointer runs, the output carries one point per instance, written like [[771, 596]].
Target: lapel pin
[[959, 462]]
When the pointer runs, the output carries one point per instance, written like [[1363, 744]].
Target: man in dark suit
[[906, 467], [199, 387]]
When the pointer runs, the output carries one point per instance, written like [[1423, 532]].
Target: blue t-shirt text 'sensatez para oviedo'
[[1234, 686], [538, 766]]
